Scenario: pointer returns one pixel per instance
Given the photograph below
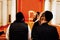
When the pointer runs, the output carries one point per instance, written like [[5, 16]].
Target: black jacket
[[18, 31], [34, 30], [46, 32]]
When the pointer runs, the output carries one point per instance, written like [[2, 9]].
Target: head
[[36, 17], [19, 17], [46, 16], [38, 13]]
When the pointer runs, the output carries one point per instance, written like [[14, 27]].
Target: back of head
[[48, 15], [19, 16]]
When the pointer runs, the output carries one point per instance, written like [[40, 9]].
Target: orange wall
[[18, 5], [35, 5]]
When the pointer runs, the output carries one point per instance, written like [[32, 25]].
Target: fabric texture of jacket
[[18, 31], [46, 32]]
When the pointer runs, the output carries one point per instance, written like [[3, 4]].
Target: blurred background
[[9, 8]]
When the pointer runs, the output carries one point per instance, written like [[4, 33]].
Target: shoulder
[[36, 23], [52, 27], [25, 25]]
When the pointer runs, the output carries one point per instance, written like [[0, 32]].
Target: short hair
[[48, 15], [38, 13], [36, 16], [19, 16]]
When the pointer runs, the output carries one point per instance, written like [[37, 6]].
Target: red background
[[26, 5]]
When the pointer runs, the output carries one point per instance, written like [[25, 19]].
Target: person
[[35, 19], [46, 31], [36, 24], [18, 30]]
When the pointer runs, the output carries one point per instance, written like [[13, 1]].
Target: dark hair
[[48, 15], [36, 16], [38, 13], [19, 16]]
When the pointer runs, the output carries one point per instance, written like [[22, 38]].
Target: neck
[[43, 22]]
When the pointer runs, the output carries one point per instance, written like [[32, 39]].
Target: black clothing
[[34, 30], [18, 31], [46, 32]]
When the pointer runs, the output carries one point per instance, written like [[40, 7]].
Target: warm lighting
[[47, 5], [13, 10], [31, 13]]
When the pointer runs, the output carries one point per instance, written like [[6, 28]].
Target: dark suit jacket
[[34, 30], [18, 31], [46, 32]]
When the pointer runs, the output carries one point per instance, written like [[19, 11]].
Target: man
[[18, 30], [35, 19], [46, 31], [36, 24]]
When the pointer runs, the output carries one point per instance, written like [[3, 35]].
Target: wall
[[58, 13], [7, 7], [26, 5], [0, 13]]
